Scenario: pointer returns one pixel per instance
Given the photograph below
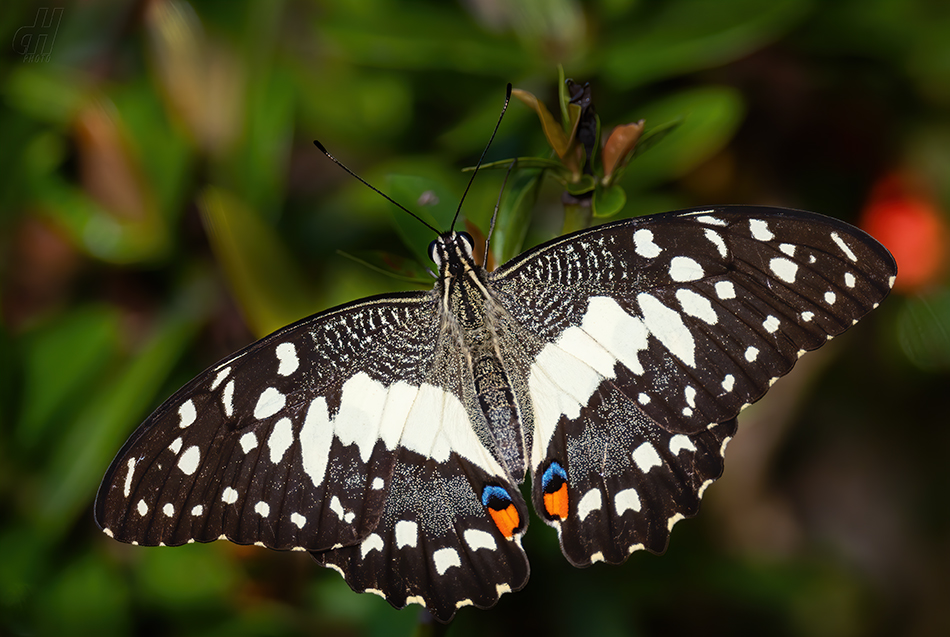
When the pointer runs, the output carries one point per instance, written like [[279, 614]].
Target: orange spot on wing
[[506, 519], [556, 503]]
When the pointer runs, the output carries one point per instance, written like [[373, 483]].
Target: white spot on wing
[[378, 483], [771, 324], [685, 269], [248, 441], [627, 500], [478, 539], [142, 507], [336, 507], [298, 520], [127, 489], [188, 461], [728, 382], [270, 402], [168, 509], [751, 354], [643, 244], [589, 502], [808, 316], [844, 247], [229, 495], [830, 297], [725, 290], [444, 559], [227, 398], [788, 248], [697, 305], [646, 457], [849, 279], [668, 327], [760, 230], [197, 509], [717, 241], [175, 447], [407, 534], [281, 437], [187, 413], [783, 268], [287, 355], [262, 509], [680, 442], [220, 377], [372, 543], [711, 221]]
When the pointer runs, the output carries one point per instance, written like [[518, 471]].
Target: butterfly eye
[[468, 241], [434, 252]]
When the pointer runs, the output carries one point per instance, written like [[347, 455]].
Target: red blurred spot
[[909, 224]]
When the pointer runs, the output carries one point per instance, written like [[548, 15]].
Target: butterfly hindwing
[[613, 482], [434, 545]]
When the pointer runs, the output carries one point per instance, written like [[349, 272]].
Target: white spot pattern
[[646, 457], [142, 507], [725, 290], [478, 539], [751, 354], [589, 502], [407, 534], [168, 509], [627, 500], [679, 442], [717, 241], [287, 355], [127, 488], [262, 509], [248, 441], [270, 402], [771, 324], [188, 461], [760, 230], [844, 247], [644, 246], [697, 305], [684, 269], [229, 495], [372, 543], [444, 559], [783, 268], [187, 414], [281, 437]]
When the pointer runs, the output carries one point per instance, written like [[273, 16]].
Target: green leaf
[[608, 201], [514, 214], [53, 382], [710, 116], [264, 280], [583, 185]]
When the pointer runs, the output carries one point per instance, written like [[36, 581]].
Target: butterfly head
[[452, 252]]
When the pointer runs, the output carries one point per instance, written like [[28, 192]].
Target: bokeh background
[[162, 205]]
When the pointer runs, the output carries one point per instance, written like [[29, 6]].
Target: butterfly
[[388, 437]]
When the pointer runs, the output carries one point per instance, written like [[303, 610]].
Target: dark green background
[[162, 205]]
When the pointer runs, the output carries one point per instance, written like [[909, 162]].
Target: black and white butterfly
[[388, 436]]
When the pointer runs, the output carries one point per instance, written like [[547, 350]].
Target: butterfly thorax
[[471, 316]]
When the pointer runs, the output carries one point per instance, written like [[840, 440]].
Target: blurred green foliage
[[162, 205]]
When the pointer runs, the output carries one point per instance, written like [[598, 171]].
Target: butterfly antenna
[[374, 188], [494, 215], [480, 159]]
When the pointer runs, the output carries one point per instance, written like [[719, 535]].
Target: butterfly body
[[388, 436]]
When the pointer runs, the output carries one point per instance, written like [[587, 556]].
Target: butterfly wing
[[651, 332], [336, 431]]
